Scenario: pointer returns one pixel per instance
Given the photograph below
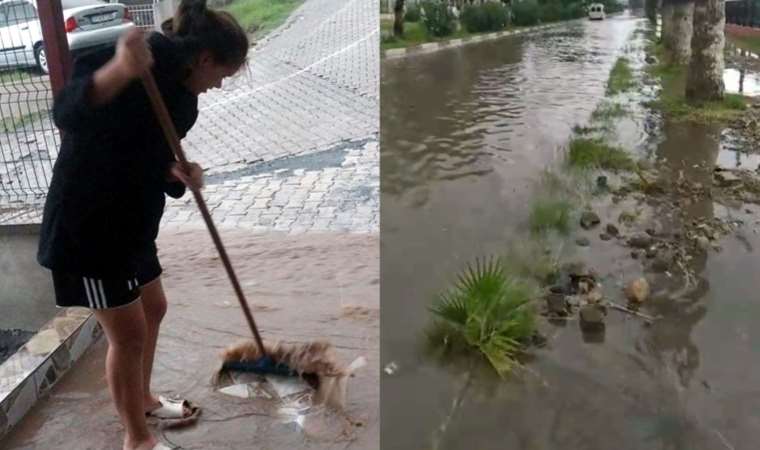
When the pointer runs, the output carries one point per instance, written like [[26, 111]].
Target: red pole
[[56, 42]]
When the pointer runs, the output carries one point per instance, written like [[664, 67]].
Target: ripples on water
[[498, 104]]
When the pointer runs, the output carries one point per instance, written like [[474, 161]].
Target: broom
[[260, 361]]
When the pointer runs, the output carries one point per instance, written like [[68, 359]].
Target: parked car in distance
[[88, 24], [596, 11]]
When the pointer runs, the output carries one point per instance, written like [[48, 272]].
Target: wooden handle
[[159, 108]]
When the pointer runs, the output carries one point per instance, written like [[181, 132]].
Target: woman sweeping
[[108, 190]]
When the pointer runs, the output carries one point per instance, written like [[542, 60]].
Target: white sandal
[[161, 446], [171, 413]]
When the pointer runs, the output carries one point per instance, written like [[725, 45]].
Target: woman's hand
[[133, 57], [191, 175]]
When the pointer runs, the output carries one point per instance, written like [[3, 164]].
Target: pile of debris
[[581, 294]]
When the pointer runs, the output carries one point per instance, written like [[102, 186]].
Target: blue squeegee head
[[261, 366]]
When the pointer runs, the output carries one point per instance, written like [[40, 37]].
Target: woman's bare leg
[[154, 307], [125, 329]]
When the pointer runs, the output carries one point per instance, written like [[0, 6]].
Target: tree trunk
[[666, 34], [683, 17], [705, 79], [650, 6], [398, 19]]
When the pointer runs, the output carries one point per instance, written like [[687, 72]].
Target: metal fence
[[28, 139], [142, 15], [743, 12]]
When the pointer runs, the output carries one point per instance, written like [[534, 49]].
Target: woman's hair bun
[[189, 12]]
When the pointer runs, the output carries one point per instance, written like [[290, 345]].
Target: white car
[[596, 11], [88, 24]]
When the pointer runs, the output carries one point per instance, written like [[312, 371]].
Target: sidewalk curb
[[431, 47]]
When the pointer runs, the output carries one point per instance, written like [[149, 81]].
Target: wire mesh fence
[[142, 15], [744, 12], [29, 140]]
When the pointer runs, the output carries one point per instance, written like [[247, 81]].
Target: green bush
[[490, 16], [526, 13], [438, 19], [612, 6], [573, 11], [413, 14], [487, 312], [551, 11]]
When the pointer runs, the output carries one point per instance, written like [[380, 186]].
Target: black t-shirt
[[106, 195]]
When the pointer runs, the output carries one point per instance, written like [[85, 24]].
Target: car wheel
[[41, 57]]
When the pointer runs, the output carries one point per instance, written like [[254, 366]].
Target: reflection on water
[[738, 81]]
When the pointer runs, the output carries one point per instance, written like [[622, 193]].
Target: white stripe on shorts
[[95, 296], [87, 289], [102, 294]]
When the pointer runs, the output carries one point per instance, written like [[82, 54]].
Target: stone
[[703, 242], [583, 242], [651, 252], [601, 182], [589, 219], [636, 254], [595, 295], [591, 318], [626, 218], [605, 237], [637, 291], [612, 230], [651, 59], [556, 304], [725, 178], [640, 240]]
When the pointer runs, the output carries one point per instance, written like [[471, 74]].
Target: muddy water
[[465, 133]]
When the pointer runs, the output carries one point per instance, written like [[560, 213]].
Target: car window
[[20, 13], [66, 4]]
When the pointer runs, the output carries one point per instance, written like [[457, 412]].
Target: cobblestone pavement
[[291, 143]]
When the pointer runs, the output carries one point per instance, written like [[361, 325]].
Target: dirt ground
[[300, 288]]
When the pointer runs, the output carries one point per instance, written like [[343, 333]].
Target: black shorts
[[103, 293]]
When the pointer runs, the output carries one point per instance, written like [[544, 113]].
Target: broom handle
[[159, 108]]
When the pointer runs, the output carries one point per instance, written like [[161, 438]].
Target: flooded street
[[466, 133]]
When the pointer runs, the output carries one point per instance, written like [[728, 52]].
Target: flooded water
[[466, 133], [741, 74]]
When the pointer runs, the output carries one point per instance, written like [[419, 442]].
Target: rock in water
[[640, 240], [727, 179], [592, 318], [605, 237], [589, 219], [595, 295], [556, 304], [583, 242], [612, 230], [637, 291]]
